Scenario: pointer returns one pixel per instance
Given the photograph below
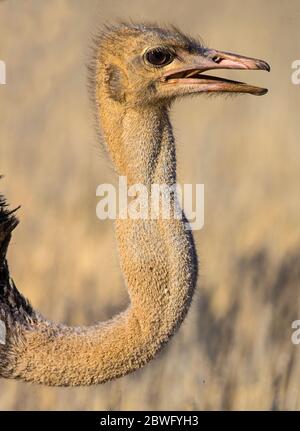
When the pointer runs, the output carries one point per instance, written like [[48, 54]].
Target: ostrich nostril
[[217, 59]]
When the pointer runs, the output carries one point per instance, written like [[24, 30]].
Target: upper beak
[[213, 59]]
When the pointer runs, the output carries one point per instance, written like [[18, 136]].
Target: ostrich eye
[[159, 57]]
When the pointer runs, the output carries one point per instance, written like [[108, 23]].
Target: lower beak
[[193, 76]]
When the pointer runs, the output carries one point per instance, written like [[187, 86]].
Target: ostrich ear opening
[[114, 79]]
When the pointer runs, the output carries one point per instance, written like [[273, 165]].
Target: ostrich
[[137, 72]]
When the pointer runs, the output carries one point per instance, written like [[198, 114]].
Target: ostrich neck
[[140, 143], [159, 265]]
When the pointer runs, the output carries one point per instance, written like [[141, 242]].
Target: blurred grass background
[[234, 349]]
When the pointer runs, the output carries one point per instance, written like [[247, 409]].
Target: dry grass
[[234, 350]]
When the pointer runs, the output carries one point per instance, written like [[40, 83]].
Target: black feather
[[13, 306]]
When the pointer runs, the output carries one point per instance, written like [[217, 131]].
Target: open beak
[[193, 77]]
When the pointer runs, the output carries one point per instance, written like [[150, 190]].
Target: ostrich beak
[[192, 77]]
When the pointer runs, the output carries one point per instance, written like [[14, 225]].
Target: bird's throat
[[140, 143]]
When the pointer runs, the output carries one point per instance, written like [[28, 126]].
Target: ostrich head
[[146, 64]]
